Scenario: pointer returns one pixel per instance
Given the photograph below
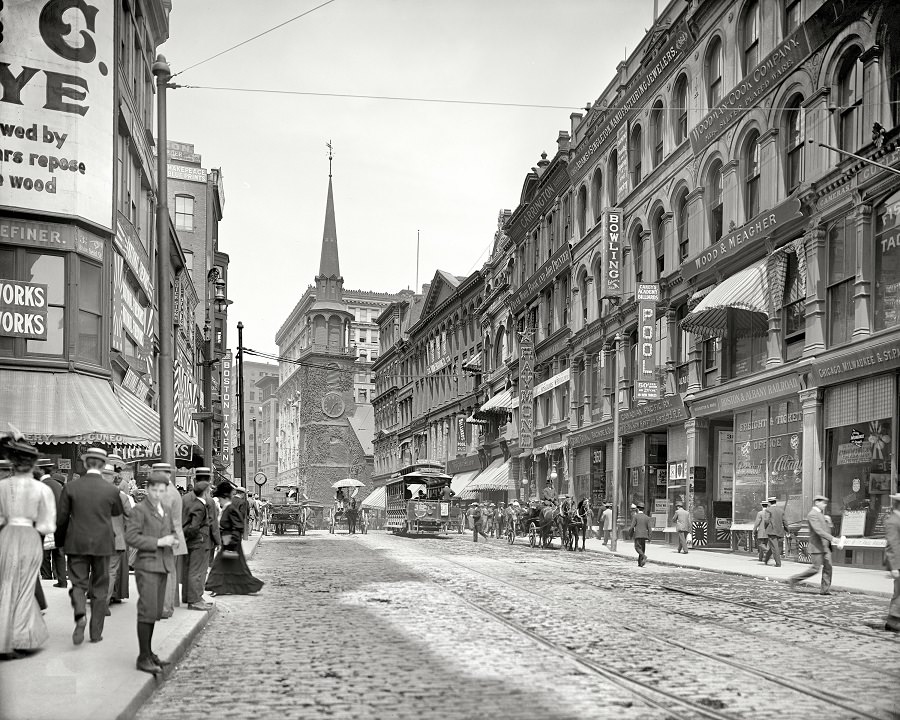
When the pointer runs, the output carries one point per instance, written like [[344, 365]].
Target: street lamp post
[[241, 443], [163, 291], [255, 444]]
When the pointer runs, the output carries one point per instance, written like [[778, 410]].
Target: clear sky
[[399, 166]]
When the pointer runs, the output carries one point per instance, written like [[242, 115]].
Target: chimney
[[562, 141], [575, 120]]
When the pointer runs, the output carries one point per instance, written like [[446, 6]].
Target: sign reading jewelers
[[611, 254], [736, 241], [57, 70], [23, 310], [646, 382], [526, 391]]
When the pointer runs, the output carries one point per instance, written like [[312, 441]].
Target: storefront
[[860, 410]]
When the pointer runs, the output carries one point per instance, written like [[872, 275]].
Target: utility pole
[[255, 445], [614, 495], [240, 360], [163, 292]]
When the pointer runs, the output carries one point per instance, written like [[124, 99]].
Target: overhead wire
[[255, 37]]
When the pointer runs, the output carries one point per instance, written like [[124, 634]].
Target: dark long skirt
[[231, 575]]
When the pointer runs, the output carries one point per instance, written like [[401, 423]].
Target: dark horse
[[577, 525]]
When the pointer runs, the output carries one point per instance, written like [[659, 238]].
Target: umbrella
[[349, 483]]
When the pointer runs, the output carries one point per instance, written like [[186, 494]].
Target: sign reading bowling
[[611, 254], [57, 73], [23, 310], [646, 383]]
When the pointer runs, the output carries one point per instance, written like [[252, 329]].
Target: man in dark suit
[[239, 502], [195, 521], [54, 565], [776, 529], [759, 527], [640, 529], [84, 521], [820, 541], [892, 562], [151, 531]]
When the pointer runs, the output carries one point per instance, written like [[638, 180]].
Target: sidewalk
[[845, 578], [93, 682]]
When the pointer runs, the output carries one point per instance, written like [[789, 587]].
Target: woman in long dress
[[230, 574], [27, 511]]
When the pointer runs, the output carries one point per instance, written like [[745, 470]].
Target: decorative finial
[[330, 155]]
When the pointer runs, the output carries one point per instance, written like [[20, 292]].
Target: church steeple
[[329, 265]]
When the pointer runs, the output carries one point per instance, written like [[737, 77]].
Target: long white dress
[[27, 511]]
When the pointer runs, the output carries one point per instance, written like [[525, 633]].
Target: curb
[[151, 684], [737, 573]]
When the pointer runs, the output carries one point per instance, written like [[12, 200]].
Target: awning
[[472, 420], [461, 480], [494, 477], [473, 363], [147, 420], [697, 297], [375, 499], [501, 402], [53, 408], [746, 294]]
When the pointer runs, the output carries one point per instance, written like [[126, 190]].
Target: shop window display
[[887, 264]]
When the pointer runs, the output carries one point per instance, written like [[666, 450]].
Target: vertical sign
[[526, 391], [622, 163], [461, 435], [611, 254], [226, 386], [646, 381], [58, 63]]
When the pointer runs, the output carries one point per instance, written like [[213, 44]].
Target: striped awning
[[147, 420], [744, 295], [697, 297], [473, 363], [462, 480], [501, 402], [494, 477], [53, 408], [375, 499]]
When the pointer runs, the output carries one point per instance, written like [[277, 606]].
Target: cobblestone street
[[378, 626]]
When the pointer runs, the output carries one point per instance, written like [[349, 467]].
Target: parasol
[[348, 483]]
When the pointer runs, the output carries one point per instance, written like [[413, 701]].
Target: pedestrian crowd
[[88, 533]]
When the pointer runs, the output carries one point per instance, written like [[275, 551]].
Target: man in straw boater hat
[[151, 529], [84, 520]]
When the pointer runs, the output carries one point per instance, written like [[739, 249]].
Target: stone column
[[626, 402], [771, 177], [813, 458], [698, 228], [733, 198], [774, 338], [607, 382], [874, 109], [816, 160], [671, 386], [587, 364], [865, 273], [671, 260], [697, 434], [816, 301]]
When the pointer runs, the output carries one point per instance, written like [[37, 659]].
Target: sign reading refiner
[[23, 310], [57, 69]]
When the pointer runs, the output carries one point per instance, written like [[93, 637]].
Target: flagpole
[[416, 288]]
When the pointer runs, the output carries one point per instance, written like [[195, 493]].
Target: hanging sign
[[526, 391], [611, 254], [646, 381], [461, 435], [226, 408]]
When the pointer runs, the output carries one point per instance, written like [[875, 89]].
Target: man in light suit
[[640, 530], [776, 529], [171, 500], [606, 522], [682, 526], [892, 561], [84, 521], [820, 541], [759, 527]]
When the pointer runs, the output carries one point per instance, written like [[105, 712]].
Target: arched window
[[637, 247], [751, 175], [681, 217], [715, 201], [597, 193], [634, 155], [659, 242], [612, 175], [714, 69], [680, 106], [551, 236], [750, 36], [583, 287], [656, 133], [850, 97], [567, 219], [794, 134], [564, 300], [582, 211]]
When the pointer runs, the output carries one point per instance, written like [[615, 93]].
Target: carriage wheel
[[532, 535]]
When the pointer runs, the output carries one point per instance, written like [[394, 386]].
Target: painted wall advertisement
[[611, 254], [227, 400], [646, 381], [58, 61], [526, 392]]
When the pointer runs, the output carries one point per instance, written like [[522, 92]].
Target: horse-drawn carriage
[[543, 521], [414, 503], [288, 515], [346, 512]]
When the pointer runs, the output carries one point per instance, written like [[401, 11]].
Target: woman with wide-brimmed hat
[[27, 511], [230, 574]]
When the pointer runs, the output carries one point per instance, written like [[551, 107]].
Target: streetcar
[[413, 501]]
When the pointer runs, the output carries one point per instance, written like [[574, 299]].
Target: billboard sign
[[646, 381], [23, 310], [58, 67]]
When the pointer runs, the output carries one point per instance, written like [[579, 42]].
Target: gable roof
[[439, 290]]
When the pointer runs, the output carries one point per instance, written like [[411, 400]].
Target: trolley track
[[820, 694]]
